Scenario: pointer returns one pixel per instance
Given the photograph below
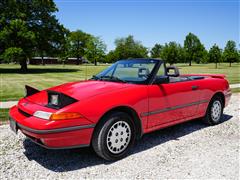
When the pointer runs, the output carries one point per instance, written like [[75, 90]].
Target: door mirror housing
[[172, 71], [161, 80]]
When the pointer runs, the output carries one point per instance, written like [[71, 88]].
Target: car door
[[172, 101]]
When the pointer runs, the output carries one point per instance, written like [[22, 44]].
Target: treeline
[[194, 50], [30, 28], [172, 52]]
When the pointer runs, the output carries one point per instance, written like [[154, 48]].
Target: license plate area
[[13, 125]]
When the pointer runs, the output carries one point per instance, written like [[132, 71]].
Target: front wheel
[[214, 112], [114, 136]]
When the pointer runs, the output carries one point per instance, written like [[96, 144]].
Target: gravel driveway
[[189, 150]]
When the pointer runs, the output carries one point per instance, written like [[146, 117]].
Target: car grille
[[24, 113]]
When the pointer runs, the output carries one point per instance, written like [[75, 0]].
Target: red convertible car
[[117, 106]]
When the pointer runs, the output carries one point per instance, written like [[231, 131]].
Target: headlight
[[57, 116], [57, 100], [42, 115], [54, 99]]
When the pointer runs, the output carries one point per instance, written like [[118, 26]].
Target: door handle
[[194, 87]]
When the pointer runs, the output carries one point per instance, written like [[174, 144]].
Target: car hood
[[86, 89], [78, 90]]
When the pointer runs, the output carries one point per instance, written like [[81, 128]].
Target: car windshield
[[130, 71]]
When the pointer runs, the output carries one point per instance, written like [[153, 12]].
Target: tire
[[214, 111], [114, 136]]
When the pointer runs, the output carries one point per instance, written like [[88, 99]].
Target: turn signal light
[[65, 115]]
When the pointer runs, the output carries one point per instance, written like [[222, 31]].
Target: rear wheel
[[114, 136], [214, 112]]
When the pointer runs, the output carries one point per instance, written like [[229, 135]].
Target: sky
[[153, 21]]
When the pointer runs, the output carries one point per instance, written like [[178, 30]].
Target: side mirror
[[172, 71], [161, 80]]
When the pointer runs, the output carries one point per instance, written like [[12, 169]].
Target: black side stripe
[[173, 108], [74, 128]]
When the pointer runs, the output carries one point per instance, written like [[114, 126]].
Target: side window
[[161, 71]]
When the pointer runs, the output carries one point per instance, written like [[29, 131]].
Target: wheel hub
[[118, 137], [216, 111]]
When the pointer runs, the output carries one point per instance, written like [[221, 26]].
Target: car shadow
[[74, 159]]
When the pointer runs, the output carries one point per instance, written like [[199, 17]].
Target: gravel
[[189, 150]]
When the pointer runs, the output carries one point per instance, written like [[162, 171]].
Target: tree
[[193, 48], [111, 57], [205, 57], [48, 31], [171, 53], [215, 54], [129, 48], [20, 41], [156, 51], [230, 53], [63, 53], [30, 26], [199, 55], [77, 41], [181, 54], [238, 53], [96, 49]]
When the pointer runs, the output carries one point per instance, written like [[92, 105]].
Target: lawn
[[3, 115], [232, 73], [12, 82], [41, 77]]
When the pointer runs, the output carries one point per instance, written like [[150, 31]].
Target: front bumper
[[54, 138]]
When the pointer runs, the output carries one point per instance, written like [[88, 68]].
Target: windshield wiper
[[113, 78], [95, 77], [118, 79]]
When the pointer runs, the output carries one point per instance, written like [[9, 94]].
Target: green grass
[[12, 82], [41, 77], [235, 90], [3, 115], [232, 73]]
